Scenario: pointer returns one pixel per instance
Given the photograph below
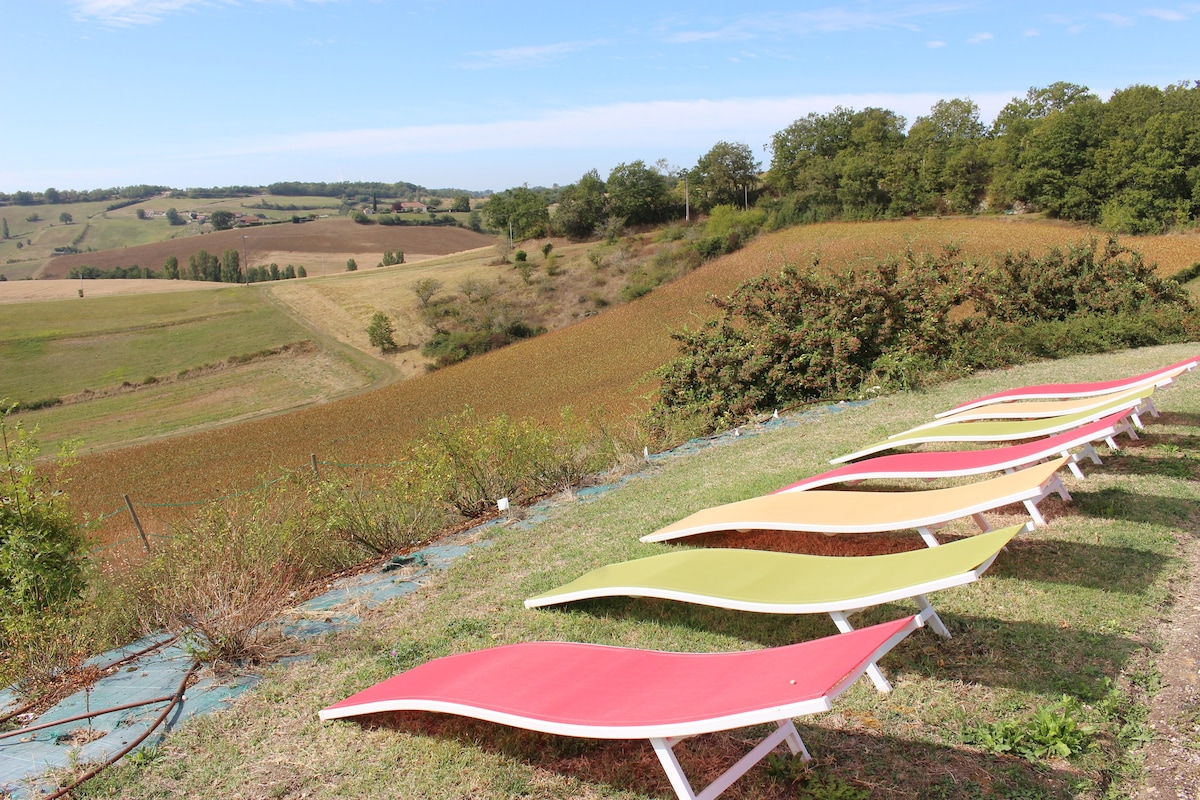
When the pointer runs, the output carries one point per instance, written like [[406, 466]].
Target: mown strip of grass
[[63, 347], [1068, 610]]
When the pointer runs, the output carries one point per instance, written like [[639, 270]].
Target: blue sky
[[488, 95]]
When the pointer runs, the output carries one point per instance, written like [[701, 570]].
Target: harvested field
[[323, 243]]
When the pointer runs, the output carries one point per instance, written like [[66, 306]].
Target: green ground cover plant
[[1068, 611]]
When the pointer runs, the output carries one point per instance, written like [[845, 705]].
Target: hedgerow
[[808, 334]]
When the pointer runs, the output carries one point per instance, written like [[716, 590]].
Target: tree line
[[202, 266], [1130, 164]]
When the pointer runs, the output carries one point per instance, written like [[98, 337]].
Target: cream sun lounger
[[998, 431], [957, 463], [1046, 409], [875, 512], [599, 692], [1061, 391], [791, 583]]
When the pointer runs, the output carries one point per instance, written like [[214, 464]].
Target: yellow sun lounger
[[792, 583], [831, 512]]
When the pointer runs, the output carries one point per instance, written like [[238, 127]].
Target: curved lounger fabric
[[873, 512], [1043, 409], [1001, 431], [600, 692], [957, 463], [1062, 391], [791, 583]]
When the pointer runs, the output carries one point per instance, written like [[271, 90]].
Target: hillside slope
[[598, 365]]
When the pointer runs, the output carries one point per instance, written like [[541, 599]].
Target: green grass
[[1068, 610], [57, 348]]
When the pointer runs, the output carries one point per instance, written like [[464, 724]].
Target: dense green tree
[[461, 203], [65, 218], [638, 194], [381, 334], [231, 269], [582, 207], [174, 217], [171, 268], [520, 210], [351, 265], [945, 166], [222, 220], [4, 228], [724, 175]]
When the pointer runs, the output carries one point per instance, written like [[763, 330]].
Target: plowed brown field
[[317, 245]]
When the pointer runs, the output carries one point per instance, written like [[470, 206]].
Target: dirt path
[[1173, 758]]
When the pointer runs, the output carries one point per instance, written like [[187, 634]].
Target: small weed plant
[[1052, 732]]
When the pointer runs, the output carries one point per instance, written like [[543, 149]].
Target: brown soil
[[1172, 766], [309, 243]]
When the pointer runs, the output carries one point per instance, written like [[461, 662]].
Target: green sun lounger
[[1004, 430], [791, 583]]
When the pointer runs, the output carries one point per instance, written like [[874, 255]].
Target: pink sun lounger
[[601, 692], [1062, 391], [958, 463]]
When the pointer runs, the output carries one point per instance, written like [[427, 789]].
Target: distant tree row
[[1130, 164], [52, 196], [201, 266], [634, 194]]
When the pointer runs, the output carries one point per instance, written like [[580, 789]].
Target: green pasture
[[52, 349], [1064, 625], [217, 397]]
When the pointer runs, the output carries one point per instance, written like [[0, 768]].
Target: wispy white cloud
[[832, 19], [1165, 14], [1032, 32], [637, 126], [126, 13], [935, 44], [980, 38], [1120, 20], [528, 56]]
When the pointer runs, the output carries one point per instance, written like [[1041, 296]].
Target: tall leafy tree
[[520, 210], [582, 207], [725, 174], [231, 269], [638, 194]]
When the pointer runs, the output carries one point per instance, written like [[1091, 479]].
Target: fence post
[[137, 523], [316, 472]]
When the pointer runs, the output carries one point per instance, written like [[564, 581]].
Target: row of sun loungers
[[621, 693]]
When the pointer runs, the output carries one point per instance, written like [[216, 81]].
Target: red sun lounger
[[601, 692], [1063, 391], [958, 463]]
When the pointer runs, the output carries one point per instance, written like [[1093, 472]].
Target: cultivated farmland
[[597, 366]]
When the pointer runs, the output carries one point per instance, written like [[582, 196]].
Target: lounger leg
[[982, 522], [1073, 463], [873, 671], [786, 732], [930, 616], [1032, 508], [928, 536], [1057, 487], [1089, 451]]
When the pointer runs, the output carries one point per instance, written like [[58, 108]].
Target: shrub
[[226, 575], [806, 334], [373, 521], [381, 334]]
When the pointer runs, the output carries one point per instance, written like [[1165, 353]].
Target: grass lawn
[[1070, 611]]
